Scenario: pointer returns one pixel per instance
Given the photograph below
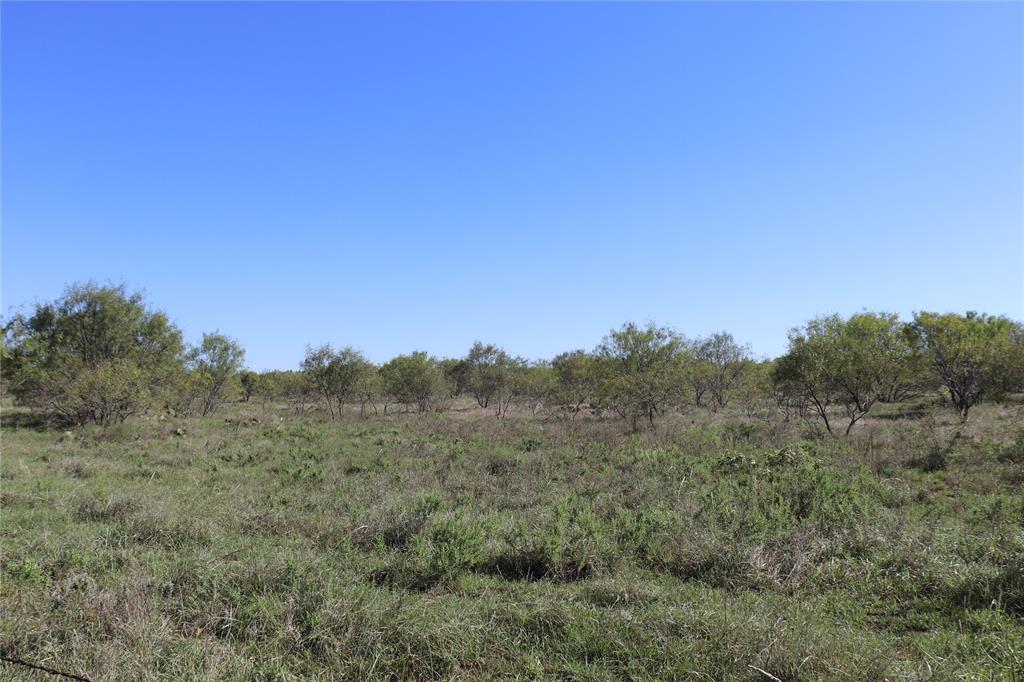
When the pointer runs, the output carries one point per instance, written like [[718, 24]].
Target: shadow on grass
[[25, 420], [531, 567], [507, 567], [914, 412]]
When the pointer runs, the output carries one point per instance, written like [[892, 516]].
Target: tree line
[[101, 354]]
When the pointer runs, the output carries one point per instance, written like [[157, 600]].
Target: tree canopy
[[96, 353], [101, 354]]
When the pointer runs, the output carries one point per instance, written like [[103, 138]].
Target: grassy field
[[260, 544]]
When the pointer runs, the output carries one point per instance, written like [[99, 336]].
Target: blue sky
[[417, 176]]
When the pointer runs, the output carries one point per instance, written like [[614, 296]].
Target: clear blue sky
[[417, 176]]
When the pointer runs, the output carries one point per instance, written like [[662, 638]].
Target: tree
[[368, 389], [640, 371], [488, 371], [295, 387], [414, 379], [276, 384], [1012, 378], [698, 376], [972, 355], [8, 360], [719, 364], [350, 368], [335, 375], [213, 363], [457, 373], [250, 382], [317, 367], [97, 353], [533, 384], [574, 381], [846, 363], [758, 396], [912, 377], [513, 382]]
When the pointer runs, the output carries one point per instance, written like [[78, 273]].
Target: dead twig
[[43, 668], [764, 672]]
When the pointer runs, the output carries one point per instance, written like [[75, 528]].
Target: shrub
[[96, 354], [574, 546], [444, 548]]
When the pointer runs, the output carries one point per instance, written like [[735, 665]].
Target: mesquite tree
[[640, 371], [845, 364], [972, 355], [96, 354]]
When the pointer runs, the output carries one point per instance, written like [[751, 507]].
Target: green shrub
[[573, 545], [443, 549]]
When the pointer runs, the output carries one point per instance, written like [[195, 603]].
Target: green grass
[[461, 546]]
